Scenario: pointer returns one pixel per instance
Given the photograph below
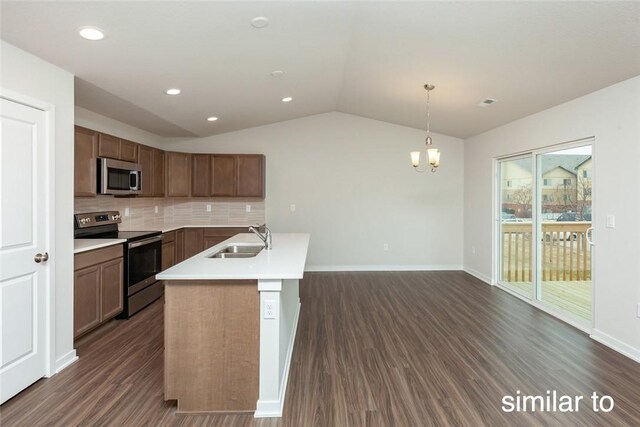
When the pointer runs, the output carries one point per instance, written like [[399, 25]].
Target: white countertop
[[166, 227], [285, 260], [84, 245]]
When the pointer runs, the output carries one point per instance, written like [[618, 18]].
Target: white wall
[[28, 75], [354, 190], [612, 116], [101, 123]]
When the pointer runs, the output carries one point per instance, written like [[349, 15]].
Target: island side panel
[[212, 345]]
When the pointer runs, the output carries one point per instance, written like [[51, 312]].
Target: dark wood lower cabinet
[[180, 245], [86, 299], [97, 282], [193, 241]]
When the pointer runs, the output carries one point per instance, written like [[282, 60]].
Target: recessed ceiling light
[[486, 102], [277, 73], [212, 118], [172, 91], [259, 22], [287, 99], [91, 33]]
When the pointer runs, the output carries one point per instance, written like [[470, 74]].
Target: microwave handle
[[136, 186]]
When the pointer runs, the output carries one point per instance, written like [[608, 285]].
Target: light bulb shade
[[434, 157], [415, 159], [428, 140]]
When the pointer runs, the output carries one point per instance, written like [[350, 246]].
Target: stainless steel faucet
[[266, 237]]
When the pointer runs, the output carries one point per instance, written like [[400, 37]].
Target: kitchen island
[[230, 326]]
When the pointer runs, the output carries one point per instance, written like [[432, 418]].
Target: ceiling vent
[[486, 102]]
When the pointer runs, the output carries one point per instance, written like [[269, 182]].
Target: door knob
[[41, 257]]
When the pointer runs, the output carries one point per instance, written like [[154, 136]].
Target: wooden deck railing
[[566, 255]]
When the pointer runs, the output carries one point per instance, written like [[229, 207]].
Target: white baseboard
[[273, 408], [382, 267], [478, 275], [66, 360], [617, 345]]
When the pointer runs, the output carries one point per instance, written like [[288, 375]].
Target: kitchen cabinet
[[238, 175], [85, 154], [178, 177], [152, 162], [223, 176], [168, 250], [158, 173], [250, 175], [128, 151], [98, 288], [179, 245], [214, 235], [193, 241], [145, 159], [108, 146], [200, 175]]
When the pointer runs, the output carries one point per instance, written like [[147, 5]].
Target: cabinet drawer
[[97, 256], [169, 237]]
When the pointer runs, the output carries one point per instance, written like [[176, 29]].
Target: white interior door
[[24, 281]]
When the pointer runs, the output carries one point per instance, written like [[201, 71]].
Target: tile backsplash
[[142, 211]]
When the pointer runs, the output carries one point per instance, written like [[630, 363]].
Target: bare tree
[[565, 197], [583, 195], [522, 197]]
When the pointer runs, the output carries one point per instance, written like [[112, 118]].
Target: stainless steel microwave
[[118, 177]]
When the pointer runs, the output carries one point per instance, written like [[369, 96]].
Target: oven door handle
[[145, 242]]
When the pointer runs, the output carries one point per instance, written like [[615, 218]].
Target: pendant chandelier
[[432, 154]]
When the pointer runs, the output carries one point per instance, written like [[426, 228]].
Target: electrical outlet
[[208, 207], [155, 209], [385, 247], [473, 250], [270, 309], [292, 208], [248, 208], [639, 309], [126, 211]]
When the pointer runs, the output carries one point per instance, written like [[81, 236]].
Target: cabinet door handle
[[41, 257]]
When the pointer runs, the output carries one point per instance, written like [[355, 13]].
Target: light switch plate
[[248, 208], [208, 207], [292, 208], [155, 209], [611, 221], [126, 211]]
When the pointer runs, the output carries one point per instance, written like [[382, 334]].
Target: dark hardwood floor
[[379, 349]]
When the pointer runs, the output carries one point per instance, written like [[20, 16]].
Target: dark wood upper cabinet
[[85, 153], [158, 173], [178, 174], [200, 175], [128, 151], [250, 175], [108, 146], [223, 176], [145, 159]]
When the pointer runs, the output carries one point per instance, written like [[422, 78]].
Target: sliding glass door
[[515, 224], [543, 243], [564, 209]]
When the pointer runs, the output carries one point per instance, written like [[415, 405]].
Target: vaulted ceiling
[[365, 58]]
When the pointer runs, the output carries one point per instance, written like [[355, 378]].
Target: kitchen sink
[[238, 251]]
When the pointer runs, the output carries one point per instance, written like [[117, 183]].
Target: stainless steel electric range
[[142, 257]]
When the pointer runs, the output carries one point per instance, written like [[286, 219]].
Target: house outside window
[[585, 174], [509, 183], [547, 182], [566, 181]]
